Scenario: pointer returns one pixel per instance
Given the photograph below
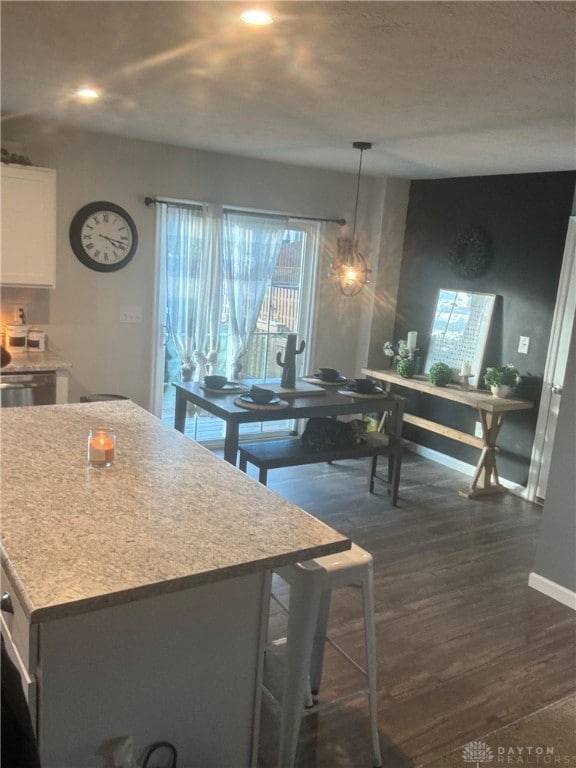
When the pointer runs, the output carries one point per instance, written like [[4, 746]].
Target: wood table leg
[[486, 480], [180, 412], [231, 442]]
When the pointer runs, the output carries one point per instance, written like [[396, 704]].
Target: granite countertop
[[26, 361], [166, 516]]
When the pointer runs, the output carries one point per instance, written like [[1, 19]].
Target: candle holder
[[101, 447], [464, 379]]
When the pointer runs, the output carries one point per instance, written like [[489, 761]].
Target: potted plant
[[501, 379], [397, 351], [406, 367], [402, 358], [440, 374]]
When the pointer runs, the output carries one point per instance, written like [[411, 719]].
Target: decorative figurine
[[288, 380]]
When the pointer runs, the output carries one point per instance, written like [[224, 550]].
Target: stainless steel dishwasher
[[27, 389]]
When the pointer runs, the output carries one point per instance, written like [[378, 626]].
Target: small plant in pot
[[502, 379], [406, 367], [440, 374], [402, 358]]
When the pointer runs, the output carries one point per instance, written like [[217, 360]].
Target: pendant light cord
[[362, 146]]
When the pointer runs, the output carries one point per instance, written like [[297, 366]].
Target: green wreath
[[470, 253]]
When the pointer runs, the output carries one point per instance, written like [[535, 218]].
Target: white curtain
[[251, 245], [193, 286]]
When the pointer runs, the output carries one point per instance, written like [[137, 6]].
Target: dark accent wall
[[526, 217]]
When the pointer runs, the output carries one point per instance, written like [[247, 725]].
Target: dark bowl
[[261, 395], [328, 374], [364, 385], [215, 382]]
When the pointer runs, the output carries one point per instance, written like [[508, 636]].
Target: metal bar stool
[[311, 583]]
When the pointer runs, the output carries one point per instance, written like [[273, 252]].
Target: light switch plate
[[523, 345]]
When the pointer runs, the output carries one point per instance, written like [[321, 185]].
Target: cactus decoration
[[288, 380]]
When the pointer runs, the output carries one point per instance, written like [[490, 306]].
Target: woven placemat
[[259, 406]]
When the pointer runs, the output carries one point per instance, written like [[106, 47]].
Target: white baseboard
[[551, 589], [462, 466]]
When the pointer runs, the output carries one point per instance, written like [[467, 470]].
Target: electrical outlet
[[130, 314], [20, 309], [523, 345], [478, 429]]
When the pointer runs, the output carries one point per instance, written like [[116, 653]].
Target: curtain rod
[[154, 200], [341, 222]]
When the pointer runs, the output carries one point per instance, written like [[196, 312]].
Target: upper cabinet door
[[28, 226]]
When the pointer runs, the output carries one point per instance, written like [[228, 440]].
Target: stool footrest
[[322, 707], [347, 656]]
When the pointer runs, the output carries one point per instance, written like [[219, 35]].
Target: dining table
[[302, 402]]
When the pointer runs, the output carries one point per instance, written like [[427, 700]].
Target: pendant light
[[349, 269]]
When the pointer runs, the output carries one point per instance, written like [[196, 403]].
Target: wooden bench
[[289, 452]]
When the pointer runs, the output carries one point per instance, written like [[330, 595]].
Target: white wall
[[389, 244], [81, 315], [555, 565]]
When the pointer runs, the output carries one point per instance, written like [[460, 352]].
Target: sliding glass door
[[229, 312]]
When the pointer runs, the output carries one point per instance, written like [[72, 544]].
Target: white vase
[[500, 390]]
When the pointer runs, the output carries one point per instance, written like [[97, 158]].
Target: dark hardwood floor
[[464, 645]]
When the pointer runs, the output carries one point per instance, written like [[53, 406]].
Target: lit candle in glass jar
[[101, 447]]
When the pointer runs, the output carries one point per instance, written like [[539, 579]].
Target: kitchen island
[[139, 592]]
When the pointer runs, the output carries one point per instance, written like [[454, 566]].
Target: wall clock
[[103, 236]]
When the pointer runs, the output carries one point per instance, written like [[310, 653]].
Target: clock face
[[103, 236]]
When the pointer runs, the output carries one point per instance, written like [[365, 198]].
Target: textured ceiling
[[440, 88]]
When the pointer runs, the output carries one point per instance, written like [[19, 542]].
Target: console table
[[491, 412]]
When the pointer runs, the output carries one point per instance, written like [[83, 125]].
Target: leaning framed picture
[[459, 332]]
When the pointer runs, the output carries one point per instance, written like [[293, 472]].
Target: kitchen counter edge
[[28, 362], [95, 603]]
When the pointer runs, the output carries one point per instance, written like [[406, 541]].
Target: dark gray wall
[[556, 552], [526, 217]]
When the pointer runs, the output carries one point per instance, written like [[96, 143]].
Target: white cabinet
[[62, 381], [21, 642], [28, 226]]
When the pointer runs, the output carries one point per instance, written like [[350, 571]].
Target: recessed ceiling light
[[257, 17], [87, 94]]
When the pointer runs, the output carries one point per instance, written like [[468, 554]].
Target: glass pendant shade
[[349, 269]]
